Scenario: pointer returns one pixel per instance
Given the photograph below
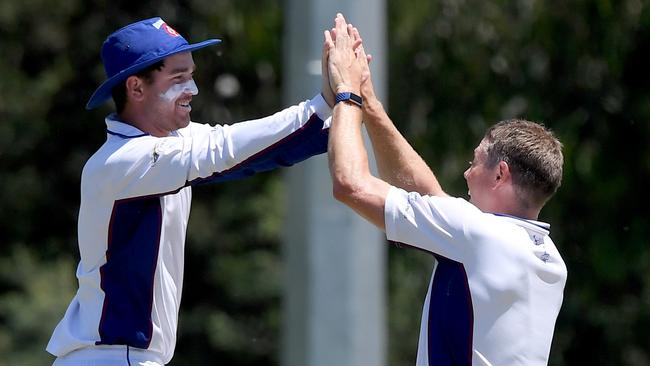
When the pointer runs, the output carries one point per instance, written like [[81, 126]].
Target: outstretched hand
[[367, 89], [326, 89], [344, 64]]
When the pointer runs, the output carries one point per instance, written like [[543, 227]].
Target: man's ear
[[134, 88], [503, 173]]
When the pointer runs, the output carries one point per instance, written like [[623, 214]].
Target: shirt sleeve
[[438, 225], [198, 154], [245, 148]]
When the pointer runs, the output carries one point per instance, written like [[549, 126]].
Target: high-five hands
[[346, 61]]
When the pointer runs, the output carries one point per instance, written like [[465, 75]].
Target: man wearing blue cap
[[136, 193]]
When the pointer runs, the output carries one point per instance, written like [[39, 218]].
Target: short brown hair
[[119, 91], [533, 154]]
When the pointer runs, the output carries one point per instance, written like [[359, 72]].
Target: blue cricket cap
[[136, 46]]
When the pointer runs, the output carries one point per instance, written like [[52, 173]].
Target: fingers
[[345, 30], [344, 65], [362, 55], [329, 43], [346, 33], [356, 44], [354, 32], [340, 25], [326, 88], [356, 37], [363, 60]]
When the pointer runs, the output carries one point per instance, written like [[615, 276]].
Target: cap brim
[[103, 92]]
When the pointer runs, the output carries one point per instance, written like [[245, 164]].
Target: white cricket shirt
[[497, 283], [135, 204]]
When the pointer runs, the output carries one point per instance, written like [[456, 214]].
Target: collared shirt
[[135, 204], [497, 283]]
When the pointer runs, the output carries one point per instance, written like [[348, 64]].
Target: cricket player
[[136, 192], [498, 279]]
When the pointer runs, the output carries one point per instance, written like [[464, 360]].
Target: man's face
[[480, 179], [169, 95]]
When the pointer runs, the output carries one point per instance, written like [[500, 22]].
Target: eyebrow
[[180, 70]]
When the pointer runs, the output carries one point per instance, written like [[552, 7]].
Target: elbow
[[344, 190]]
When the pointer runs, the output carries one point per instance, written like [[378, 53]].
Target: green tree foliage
[[49, 68], [456, 66]]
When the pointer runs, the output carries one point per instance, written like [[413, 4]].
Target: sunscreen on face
[[179, 89]]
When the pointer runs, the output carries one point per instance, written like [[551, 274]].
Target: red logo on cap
[[170, 30]]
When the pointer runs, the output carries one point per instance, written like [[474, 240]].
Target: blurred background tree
[[456, 67]]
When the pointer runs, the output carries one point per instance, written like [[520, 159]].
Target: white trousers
[[109, 356]]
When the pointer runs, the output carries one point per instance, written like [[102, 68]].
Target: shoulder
[[444, 206], [454, 216], [119, 152], [195, 128], [447, 226]]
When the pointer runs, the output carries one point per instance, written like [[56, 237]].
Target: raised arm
[[398, 163], [348, 160]]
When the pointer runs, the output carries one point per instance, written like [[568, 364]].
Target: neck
[[511, 201], [140, 121], [514, 207], [529, 214]]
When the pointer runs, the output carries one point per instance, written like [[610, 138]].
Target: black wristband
[[348, 97]]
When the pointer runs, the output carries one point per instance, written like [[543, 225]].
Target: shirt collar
[[122, 129], [534, 225]]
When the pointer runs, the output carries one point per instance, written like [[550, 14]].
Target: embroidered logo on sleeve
[[161, 148], [407, 210], [539, 240], [154, 157]]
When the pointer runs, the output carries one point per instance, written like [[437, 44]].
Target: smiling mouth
[[185, 105]]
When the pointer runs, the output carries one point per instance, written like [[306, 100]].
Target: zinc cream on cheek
[[179, 89]]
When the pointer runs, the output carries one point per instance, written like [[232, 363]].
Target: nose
[[190, 87], [466, 173]]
